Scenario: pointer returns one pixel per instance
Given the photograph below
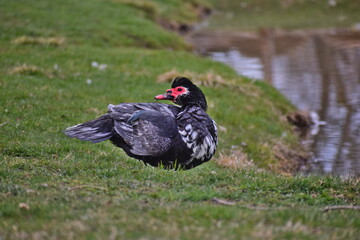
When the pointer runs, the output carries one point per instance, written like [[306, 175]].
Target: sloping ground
[[62, 62], [49, 49]]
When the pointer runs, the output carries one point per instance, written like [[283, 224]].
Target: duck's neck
[[192, 105]]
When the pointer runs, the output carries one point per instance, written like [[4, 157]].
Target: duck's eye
[[179, 89]]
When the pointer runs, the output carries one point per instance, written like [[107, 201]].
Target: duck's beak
[[166, 96]]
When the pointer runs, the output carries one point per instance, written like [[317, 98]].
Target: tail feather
[[95, 131]]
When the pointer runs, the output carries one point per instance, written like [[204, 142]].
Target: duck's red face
[[183, 92], [173, 93]]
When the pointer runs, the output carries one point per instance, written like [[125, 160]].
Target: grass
[[55, 187], [285, 14]]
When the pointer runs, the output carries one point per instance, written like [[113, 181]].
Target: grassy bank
[[286, 14], [55, 187]]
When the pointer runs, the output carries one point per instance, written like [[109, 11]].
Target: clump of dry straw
[[26, 70], [235, 160], [44, 41]]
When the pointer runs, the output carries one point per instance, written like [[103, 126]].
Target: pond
[[317, 70]]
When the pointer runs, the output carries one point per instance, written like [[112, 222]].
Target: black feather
[[95, 131]]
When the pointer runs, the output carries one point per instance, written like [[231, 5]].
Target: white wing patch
[[202, 150]]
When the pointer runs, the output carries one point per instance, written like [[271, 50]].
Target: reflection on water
[[316, 70]]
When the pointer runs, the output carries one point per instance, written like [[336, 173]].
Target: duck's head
[[183, 92]]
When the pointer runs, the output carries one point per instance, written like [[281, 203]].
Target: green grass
[[285, 14], [94, 199], [55, 187]]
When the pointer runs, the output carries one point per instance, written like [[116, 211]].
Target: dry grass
[[43, 41], [235, 160], [26, 70], [289, 159]]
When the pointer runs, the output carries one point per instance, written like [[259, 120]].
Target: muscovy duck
[[155, 133]]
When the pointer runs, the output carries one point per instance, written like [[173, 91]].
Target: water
[[317, 70]]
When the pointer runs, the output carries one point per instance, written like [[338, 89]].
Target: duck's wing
[[148, 129]]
